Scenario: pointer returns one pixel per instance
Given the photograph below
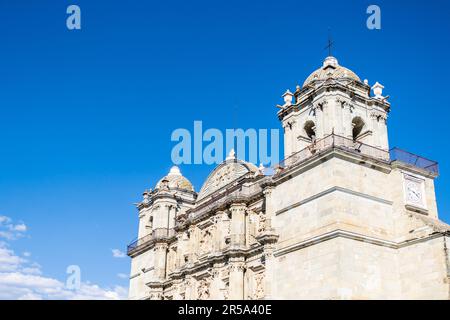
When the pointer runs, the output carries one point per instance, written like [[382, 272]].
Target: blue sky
[[86, 116]]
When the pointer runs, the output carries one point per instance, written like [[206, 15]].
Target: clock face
[[414, 192]]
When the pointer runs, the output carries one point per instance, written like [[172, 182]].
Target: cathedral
[[343, 216]]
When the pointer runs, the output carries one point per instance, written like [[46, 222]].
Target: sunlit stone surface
[[341, 217]]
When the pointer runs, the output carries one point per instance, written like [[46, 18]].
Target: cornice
[[306, 97]]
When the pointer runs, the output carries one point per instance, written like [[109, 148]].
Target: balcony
[[159, 234], [333, 141], [397, 154]]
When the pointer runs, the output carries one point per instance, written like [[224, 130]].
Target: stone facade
[[340, 218]]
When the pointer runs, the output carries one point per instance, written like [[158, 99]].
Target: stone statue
[[203, 290]]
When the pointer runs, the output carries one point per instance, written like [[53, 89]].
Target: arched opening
[[358, 125], [310, 129]]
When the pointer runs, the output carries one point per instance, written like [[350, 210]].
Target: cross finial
[[330, 43]]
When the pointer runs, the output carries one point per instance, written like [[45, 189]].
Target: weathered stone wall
[[344, 233], [423, 270], [141, 273]]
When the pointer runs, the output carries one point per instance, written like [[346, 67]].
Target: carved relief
[[226, 291], [261, 222], [319, 106], [206, 241], [237, 267], [156, 296], [345, 104], [171, 259], [253, 225], [377, 115], [222, 176], [203, 291], [258, 292]]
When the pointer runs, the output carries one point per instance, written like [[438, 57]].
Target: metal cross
[[330, 44]]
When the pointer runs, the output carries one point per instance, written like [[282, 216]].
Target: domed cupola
[[175, 180], [331, 70], [228, 171]]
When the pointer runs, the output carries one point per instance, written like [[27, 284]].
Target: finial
[[378, 90], [288, 96], [330, 61], [260, 171], [174, 171], [231, 155]]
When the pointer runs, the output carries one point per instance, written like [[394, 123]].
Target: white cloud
[[4, 220], [123, 275], [19, 227], [9, 230], [20, 286], [7, 235], [32, 270], [22, 279], [118, 254]]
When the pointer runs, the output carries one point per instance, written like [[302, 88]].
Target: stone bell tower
[[151, 255], [333, 100]]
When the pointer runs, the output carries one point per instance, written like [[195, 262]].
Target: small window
[[358, 125]]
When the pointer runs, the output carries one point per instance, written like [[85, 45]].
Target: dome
[[331, 69], [175, 180], [228, 171]]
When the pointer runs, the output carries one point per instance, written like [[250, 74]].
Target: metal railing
[[335, 141], [397, 154], [245, 191], [157, 234], [331, 141]]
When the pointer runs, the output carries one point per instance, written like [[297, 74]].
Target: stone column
[[377, 124], [190, 289], [216, 284], [371, 126], [144, 216], [287, 140], [238, 224], [192, 244], [269, 276], [237, 267], [339, 124], [179, 290], [171, 216], [268, 207], [294, 134], [160, 261], [180, 249], [348, 117], [219, 233], [384, 133], [268, 239], [320, 130]]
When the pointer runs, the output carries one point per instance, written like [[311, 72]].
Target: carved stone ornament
[[258, 292], [262, 222], [203, 289]]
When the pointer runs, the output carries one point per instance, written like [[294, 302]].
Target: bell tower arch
[[334, 101]]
